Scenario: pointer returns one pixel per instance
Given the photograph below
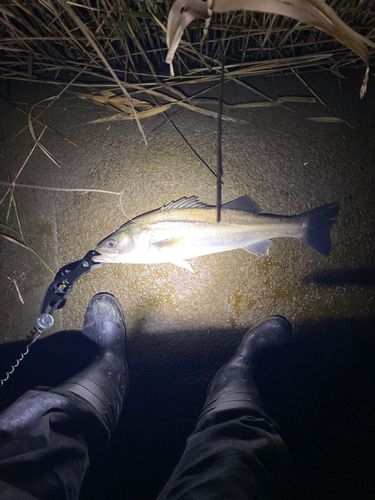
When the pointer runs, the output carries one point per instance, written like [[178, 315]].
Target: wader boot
[[104, 383], [236, 451], [233, 385]]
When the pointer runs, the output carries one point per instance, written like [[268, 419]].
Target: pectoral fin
[[169, 243], [172, 243], [185, 264], [259, 248]]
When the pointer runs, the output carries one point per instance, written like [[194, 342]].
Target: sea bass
[[187, 228]]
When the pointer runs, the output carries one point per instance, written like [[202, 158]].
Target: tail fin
[[318, 223]]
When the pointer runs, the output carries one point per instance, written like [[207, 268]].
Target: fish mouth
[[104, 258]]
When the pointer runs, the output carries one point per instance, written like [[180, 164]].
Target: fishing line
[[123, 211], [219, 172]]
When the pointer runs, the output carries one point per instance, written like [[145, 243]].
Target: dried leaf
[[266, 104], [109, 99], [325, 119], [328, 119], [13, 240], [207, 112], [17, 289], [312, 12], [142, 114]]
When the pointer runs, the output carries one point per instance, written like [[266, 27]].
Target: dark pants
[[45, 441], [234, 454]]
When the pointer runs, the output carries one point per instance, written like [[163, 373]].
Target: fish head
[[115, 247]]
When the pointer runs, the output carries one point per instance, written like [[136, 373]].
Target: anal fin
[[259, 248], [183, 263]]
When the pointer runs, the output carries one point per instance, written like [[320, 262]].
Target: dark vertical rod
[[219, 173]]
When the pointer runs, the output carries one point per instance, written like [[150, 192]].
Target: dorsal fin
[[191, 202], [245, 204]]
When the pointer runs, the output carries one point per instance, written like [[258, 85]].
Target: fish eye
[[111, 243]]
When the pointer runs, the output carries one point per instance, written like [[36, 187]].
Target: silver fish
[[187, 228]]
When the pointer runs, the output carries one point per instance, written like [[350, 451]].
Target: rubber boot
[[233, 385], [104, 383]]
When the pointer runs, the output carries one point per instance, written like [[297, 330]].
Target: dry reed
[[41, 41]]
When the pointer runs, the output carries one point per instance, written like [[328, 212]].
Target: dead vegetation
[[124, 42]]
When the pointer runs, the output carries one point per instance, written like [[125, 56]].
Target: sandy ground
[[299, 166], [177, 320]]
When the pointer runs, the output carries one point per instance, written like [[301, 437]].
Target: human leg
[[236, 451], [48, 435]]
